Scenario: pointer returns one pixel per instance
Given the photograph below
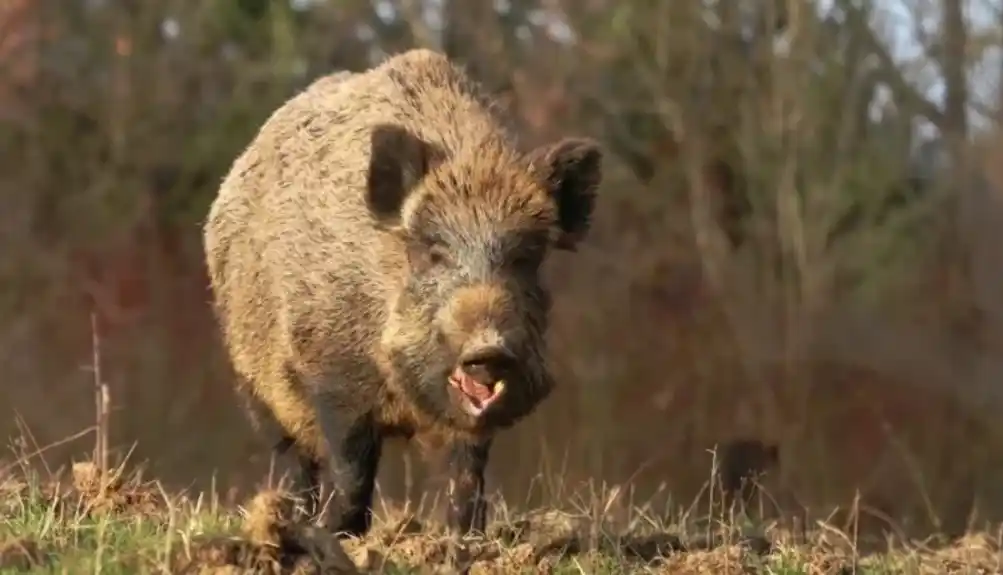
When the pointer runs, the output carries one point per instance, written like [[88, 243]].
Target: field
[[78, 523]]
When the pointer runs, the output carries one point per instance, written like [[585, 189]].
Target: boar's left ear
[[571, 170], [398, 161]]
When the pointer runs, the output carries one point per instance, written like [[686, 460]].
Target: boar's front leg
[[353, 459], [467, 507]]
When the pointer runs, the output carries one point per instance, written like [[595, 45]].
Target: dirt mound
[[114, 492], [272, 544], [974, 549], [538, 541], [549, 536]]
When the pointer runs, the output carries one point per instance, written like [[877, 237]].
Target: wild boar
[[374, 258]]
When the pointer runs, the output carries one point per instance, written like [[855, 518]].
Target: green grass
[[138, 528], [72, 539]]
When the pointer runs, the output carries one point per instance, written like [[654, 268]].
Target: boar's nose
[[487, 364]]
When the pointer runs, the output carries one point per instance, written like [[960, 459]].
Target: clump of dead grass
[[89, 491]]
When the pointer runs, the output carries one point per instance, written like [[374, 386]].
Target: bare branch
[[907, 95]]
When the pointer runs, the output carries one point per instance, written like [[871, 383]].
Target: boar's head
[[465, 336]]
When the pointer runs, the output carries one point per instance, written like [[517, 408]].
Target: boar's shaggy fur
[[374, 257]]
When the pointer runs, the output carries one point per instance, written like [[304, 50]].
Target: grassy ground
[[83, 525]]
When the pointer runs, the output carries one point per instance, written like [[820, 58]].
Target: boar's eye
[[526, 259], [437, 255], [426, 255]]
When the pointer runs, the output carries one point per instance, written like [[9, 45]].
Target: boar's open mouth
[[475, 396]]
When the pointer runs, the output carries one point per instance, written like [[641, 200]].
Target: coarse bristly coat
[[374, 258]]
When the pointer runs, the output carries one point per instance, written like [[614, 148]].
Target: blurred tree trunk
[[953, 63], [477, 36]]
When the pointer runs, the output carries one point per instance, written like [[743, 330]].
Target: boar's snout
[[486, 327], [487, 363], [480, 373]]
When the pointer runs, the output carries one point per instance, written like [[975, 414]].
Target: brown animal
[[374, 257], [743, 463]]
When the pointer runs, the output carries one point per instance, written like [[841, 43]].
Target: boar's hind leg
[[467, 507], [355, 449], [307, 482]]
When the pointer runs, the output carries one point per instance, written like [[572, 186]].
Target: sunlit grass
[[52, 526]]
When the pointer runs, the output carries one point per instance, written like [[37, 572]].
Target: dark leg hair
[[467, 507]]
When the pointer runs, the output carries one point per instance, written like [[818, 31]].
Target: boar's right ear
[[398, 160]]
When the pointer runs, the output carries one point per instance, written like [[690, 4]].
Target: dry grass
[[127, 525]]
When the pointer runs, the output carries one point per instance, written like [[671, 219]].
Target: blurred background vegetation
[[796, 243]]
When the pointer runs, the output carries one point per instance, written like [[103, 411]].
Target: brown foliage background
[[779, 254]]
